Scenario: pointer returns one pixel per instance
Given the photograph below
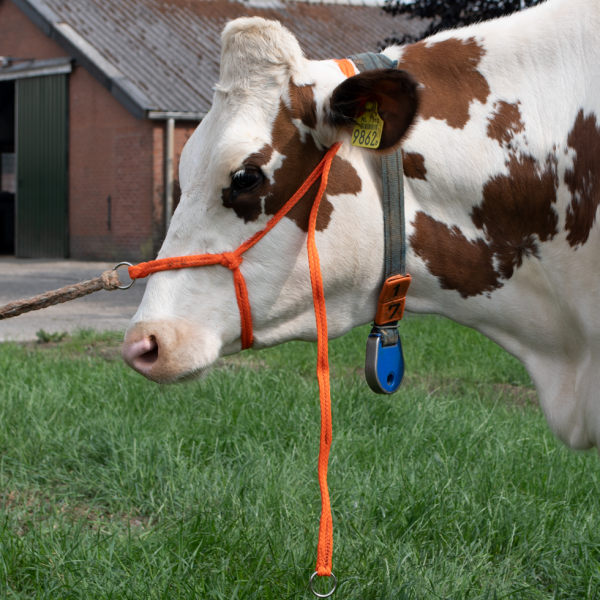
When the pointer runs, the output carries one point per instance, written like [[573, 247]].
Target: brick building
[[98, 97]]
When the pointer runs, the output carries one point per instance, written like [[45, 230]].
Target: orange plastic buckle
[[392, 299]]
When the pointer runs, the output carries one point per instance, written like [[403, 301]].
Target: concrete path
[[23, 278]]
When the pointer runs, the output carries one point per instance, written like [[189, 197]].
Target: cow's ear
[[397, 98]]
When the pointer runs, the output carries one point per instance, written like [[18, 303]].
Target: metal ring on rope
[[121, 264], [329, 593]]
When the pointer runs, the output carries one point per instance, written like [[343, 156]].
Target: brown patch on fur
[[583, 180], [517, 211], [448, 72], [301, 158], [505, 122], [260, 158], [414, 165], [459, 264], [299, 162], [516, 215], [343, 178], [304, 105]]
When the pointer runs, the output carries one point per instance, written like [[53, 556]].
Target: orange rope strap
[[233, 260], [325, 547]]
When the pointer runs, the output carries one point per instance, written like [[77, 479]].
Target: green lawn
[[453, 488]]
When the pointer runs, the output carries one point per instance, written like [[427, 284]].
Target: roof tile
[[170, 49]]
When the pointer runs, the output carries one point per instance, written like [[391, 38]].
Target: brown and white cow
[[502, 184]]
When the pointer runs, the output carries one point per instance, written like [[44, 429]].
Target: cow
[[502, 187]]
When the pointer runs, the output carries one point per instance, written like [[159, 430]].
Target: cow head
[[274, 116]]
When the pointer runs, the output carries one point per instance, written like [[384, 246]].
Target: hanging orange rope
[[233, 260], [325, 547]]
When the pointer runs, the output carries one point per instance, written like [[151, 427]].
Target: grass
[[454, 488]]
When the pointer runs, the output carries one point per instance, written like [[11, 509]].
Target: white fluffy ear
[[253, 47]]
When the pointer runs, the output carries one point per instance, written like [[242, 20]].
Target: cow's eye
[[247, 179]]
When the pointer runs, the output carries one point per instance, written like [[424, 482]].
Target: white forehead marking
[[302, 128], [272, 166]]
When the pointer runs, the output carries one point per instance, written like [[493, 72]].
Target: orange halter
[[233, 260]]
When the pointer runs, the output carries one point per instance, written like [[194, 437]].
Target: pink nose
[[141, 355]]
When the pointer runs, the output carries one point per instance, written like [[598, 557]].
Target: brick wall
[[21, 38], [111, 153], [110, 156]]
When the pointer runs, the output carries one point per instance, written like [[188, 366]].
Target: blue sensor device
[[384, 362]]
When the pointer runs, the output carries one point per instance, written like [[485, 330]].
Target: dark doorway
[[41, 155], [7, 167]]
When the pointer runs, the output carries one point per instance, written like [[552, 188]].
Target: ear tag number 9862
[[368, 128]]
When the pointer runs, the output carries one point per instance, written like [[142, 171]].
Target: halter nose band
[[233, 260]]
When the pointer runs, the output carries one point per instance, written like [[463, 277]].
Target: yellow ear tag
[[368, 128]]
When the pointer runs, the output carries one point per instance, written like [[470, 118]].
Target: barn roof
[[162, 56]]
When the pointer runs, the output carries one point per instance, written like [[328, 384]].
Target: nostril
[[141, 355], [147, 359]]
